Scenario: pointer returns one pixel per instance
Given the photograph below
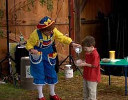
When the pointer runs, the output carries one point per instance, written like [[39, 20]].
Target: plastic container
[[112, 55], [68, 71], [78, 49]]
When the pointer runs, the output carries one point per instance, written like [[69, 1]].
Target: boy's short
[[90, 90]]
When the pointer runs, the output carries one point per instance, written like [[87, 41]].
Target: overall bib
[[43, 64]]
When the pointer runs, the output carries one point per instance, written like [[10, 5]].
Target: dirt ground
[[69, 89], [72, 89]]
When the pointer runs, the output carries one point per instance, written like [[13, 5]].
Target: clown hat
[[45, 22]]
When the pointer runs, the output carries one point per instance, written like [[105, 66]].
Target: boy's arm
[[83, 63], [88, 65]]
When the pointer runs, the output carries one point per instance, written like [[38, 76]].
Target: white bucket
[[68, 71]]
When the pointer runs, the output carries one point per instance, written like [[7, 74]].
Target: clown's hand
[[75, 45], [33, 51]]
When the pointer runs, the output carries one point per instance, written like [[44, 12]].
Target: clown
[[43, 56]]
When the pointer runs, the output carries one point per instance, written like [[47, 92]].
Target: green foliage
[[32, 2], [49, 4], [42, 2]]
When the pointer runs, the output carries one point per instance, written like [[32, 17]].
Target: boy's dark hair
[[88, 41]]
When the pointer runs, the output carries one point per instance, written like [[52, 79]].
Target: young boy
[[91, 72], [43, 56]]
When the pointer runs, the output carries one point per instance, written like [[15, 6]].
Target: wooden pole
[[77, 21]]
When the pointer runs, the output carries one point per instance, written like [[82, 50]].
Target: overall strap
[[39, 34], [40, 38], [44, 43]]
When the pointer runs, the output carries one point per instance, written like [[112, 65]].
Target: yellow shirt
[[33, 39]]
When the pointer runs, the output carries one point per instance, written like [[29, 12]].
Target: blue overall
[[43, 64]]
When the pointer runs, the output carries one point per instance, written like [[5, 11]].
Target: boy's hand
[[78, 62]]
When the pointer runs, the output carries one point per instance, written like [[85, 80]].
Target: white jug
[[68, 71]]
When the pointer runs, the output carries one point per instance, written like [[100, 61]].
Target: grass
[[68, 89]]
